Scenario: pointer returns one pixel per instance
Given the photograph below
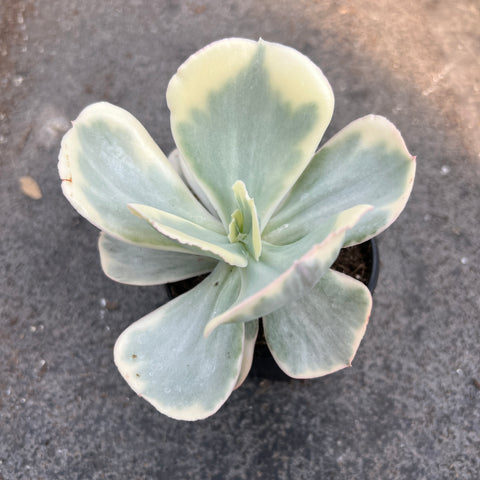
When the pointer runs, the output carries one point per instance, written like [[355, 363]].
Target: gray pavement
[[410, 406]]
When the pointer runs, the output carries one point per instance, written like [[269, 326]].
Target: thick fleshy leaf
[[251, 332], [176, 160], [366, 162], [198, 238], [165, 358], [285, 273], [135, 265], [249, 111], [108, 160], [320, 332]]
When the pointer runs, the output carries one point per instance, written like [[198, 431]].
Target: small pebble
[[17, 80]]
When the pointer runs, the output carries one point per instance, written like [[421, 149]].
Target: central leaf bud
[[244, 226]]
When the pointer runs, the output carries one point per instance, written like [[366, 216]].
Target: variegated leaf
[[249, 111], [366, 162], [198, 238], [166, 360], [320, 332], [108, 160], [135, 265]]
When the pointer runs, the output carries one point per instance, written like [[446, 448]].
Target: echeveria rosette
[[251, 202]]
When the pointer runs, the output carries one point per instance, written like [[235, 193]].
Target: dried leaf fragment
[[30, 188]]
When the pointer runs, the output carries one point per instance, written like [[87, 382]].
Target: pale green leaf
[[135, 265], [249, 111], [108, 160], [166, 360], [320, 332], [365, 163], [196, 237]]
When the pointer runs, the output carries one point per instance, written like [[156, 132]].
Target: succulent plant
[[247, 197]]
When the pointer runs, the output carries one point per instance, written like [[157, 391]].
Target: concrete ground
[[410, 406]]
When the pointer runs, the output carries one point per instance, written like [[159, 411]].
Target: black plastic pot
[[375, 264], [264, 366]]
